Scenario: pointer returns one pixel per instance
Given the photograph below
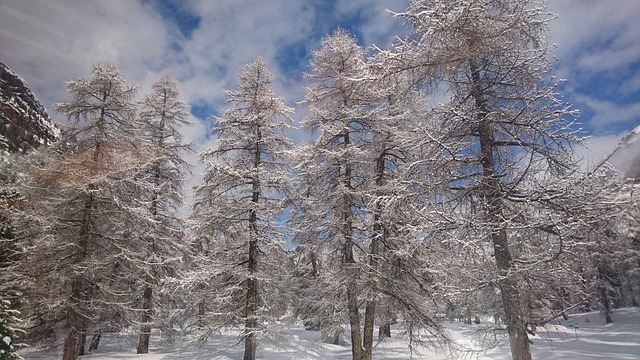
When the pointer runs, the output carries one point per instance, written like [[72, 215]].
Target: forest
[[441, 182]]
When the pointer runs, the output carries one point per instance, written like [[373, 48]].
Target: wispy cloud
[[599, 55], [609, 113], [596, 149], [203, 43]]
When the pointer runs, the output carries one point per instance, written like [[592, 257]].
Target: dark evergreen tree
[[10, 332]]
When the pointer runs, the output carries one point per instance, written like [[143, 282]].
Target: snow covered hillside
[[583, 336], [626, 157]]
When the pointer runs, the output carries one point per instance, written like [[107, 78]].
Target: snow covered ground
[[593, 339]]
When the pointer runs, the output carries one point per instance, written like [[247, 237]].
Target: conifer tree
[[237, 206], [159, 187], [81, 217], [517, 205], [349, 212], [335, 167], [10, 331]]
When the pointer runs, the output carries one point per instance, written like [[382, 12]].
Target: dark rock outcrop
[[24, 122]]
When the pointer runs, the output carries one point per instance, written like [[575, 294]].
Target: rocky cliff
[[24, 122]]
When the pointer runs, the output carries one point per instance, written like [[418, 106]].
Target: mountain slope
[[626, 156], [24, 122]]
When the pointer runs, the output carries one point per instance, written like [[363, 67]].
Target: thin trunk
[[147, 295], [251, 322], [202, 310], [75, 321], [70, 351], [74, 339], [81, 343], [354, 319], [350, 267], [95, 341], [511, 299], [372, 271], [369, 317], [349, 261], [145, 327], [604, 296], [314, 264], [384, 330]]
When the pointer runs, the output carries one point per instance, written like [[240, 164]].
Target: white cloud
[[631, 84], [596, 149], [51, 41], [378, 23], [607, 113], [599, 54], [595, 35]]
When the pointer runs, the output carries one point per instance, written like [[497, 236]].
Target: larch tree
[[517, 200], [630, 254], [237, 208], [160, 189], [349, 219], [334, 164], [399, 265], [79, 214]]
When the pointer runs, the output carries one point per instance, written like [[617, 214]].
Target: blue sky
[[202, 43]]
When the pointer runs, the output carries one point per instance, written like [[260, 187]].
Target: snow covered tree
[[10, 253], [80, 217], [518, 206], [609, 269], [349, 212], [237, 207], [162, 114], [10, 332], [399, 262], [630, 256], [334, 165], [9, 196]]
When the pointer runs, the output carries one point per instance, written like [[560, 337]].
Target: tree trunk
[[515, 320], [372, 271], [74, 342], [369, 317], [352, 290], [251, 322], [604, 299], [71, 345], [512, 303], [250, 326], [354, 319], [202, 310], [145, 327], [95, 341], [81, 344], [349, 263], [384, 330]]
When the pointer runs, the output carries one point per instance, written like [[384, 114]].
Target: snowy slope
[[24, 122], [626, 157], [590, 339], [593, 339]]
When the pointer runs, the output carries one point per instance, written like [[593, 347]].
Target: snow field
[[595, 340]]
